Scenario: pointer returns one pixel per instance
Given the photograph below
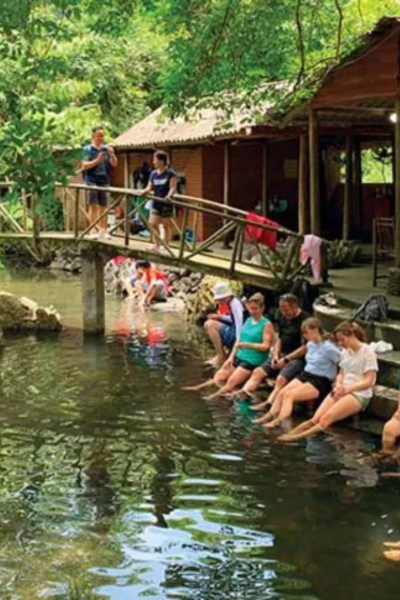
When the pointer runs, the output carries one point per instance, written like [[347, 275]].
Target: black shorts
[[164, 210], [97, 197], [322, 384], [290, 371], [243, 364]]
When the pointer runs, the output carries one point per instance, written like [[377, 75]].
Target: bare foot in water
[[286, 437], [275, 423], [392, 555], [259, 406], [214, 362], [264, 418], [392, 545]]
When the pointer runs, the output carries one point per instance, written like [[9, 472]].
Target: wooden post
[[93, 293], [35, 219], [314, 174], [264, 191], [226, 174], [76, 213], [357, 187], [303, 186], [394, 274], [126, 171], [348, 188], [126, 219], [24, 210], [397, 186]]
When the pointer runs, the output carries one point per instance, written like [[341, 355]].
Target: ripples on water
[[114, 484]]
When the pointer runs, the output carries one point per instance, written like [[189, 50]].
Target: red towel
[[262, 236]]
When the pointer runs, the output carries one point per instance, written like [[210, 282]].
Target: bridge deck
[[140, 248]]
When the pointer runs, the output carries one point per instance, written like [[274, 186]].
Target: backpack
[[374, 308]]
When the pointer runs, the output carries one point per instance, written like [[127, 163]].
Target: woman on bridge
[[248, 353]]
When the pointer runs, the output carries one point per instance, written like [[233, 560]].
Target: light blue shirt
[[322, 359]]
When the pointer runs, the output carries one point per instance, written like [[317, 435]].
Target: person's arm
[[173, 184], [268, 337], [112, 156], [277, 350], [302, 351], [366, 383], [89, 164]]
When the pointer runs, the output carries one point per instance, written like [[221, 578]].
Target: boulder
[[24, 314]]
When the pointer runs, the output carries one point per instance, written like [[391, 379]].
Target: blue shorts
[[228, 335]]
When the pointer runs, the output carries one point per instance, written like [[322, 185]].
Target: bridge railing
[[281, 264]]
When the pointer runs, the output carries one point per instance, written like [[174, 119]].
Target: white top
[[355, 365]]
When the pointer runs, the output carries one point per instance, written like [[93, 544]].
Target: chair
[[382, 244]]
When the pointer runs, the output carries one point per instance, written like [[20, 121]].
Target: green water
[[115, 484]]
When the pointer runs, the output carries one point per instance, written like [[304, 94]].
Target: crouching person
[[353, 388], [151, 284]]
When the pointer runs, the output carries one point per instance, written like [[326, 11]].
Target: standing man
[[162, 183], [96, 167]]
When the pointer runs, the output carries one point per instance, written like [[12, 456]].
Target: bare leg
[[155, 229], [256, 379], [341, 409], [238, 376], [326, 405], [391, 432], [392, 555], [200, 386], [302, 392], [103, 222], [277, 403], [168, 230], [392, 545], [213, 330], [279, 385]]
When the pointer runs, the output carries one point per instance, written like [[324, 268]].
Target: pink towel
[[311, 251]]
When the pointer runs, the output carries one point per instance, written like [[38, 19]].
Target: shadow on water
[[115, 484]]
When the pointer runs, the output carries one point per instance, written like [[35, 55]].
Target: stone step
[[388, 331]]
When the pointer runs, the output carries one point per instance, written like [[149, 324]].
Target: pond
[[115, 484]]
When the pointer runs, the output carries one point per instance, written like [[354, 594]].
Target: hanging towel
[[311, 251], [262, 236]]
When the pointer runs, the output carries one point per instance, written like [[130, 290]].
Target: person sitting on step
[[224, 330], [288, 324], [248, 353], [353, 388], [315, 382]]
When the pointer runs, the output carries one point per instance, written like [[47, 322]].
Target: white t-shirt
[[355, 365]]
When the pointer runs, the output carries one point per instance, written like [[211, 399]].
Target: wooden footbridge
[[248, 260]]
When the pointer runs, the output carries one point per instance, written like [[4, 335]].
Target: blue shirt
[[100, 174], [161, 182], [322, 359]]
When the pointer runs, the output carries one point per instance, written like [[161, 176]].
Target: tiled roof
[[203, 124]]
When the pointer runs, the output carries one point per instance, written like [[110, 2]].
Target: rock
[[24, 314]]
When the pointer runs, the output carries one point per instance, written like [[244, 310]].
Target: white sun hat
[[222, 290]]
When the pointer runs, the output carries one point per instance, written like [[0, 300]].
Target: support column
[[357, 187], [303, 186], [264, 191], [314, 174], [127, 182], [226, 174], [348, 189], [93, 292], [394, 274]]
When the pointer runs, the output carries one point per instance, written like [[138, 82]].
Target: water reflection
[[116, 484]]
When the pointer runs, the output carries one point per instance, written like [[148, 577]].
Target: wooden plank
[[76, 213]]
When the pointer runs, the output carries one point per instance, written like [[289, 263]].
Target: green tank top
[[252, 333]]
